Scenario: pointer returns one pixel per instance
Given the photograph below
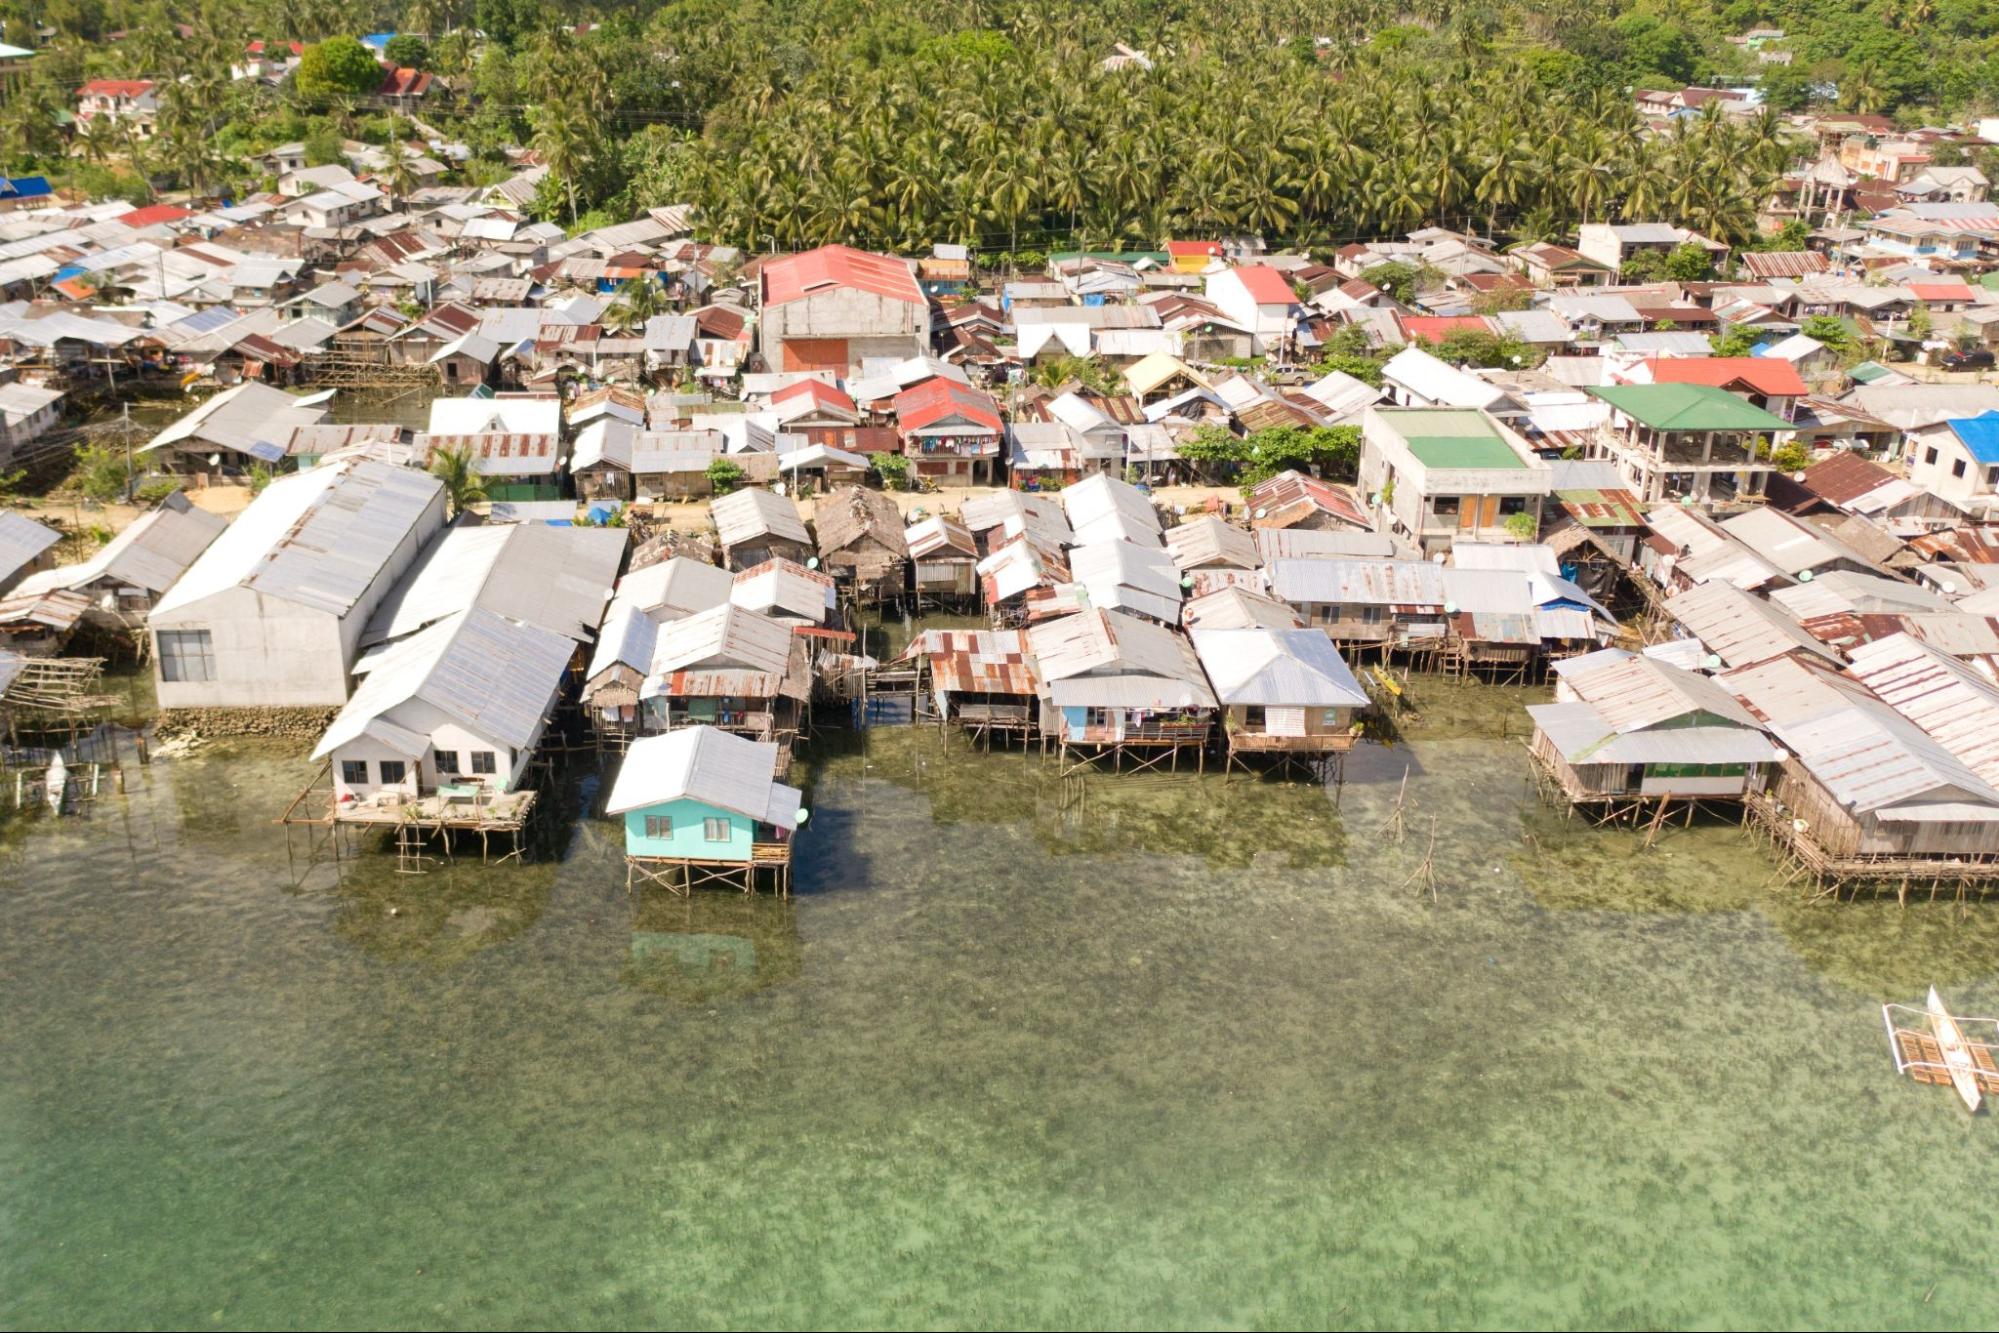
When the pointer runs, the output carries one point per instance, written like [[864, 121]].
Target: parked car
[[1978, 358]]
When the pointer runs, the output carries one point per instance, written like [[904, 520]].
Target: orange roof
[[937, 399], [1436, 328], [116, 88], [1940, 291], [831, 266], [821, 393], [1211, 249], [1760, 374]]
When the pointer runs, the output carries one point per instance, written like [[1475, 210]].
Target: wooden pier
[[493, 818], [1832, 873]]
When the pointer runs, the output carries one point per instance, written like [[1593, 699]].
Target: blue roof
[[25, 187], [1980, 435]]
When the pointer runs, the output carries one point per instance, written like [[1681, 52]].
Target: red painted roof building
[[951, 432], [837, 308]]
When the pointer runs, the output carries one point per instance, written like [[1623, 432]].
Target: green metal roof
[[1868, 371], [1451, 438], [1687, 407]]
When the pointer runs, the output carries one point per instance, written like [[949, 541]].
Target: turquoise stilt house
[[703, 806]]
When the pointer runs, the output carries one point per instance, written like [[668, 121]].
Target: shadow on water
[[704, 946]]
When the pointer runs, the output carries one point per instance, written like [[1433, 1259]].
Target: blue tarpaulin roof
[[25, 187], [1980, 435], [68, 271]]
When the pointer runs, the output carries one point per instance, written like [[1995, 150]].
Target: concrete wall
[[873, 326], [270, 652], [689, 833]]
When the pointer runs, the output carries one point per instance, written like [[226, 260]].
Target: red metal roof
[[153, 213], [1208, 249], [934, 400], [818, 391], [116, 88], [1436, 328], [1762, 374], [403, 82], [1265, 285], [796, 277], [1940, 291]]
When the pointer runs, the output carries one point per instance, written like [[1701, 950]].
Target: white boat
[[54, 782], [1956, 1052]]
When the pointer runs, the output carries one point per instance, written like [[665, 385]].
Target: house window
[[447, 762], [393, 771], [1512, 504], [716, 830], [354, 772], [1957, 467], [1930, 454], [1445, 506], [1992, 477], [187, 655], [659, 826], [482, 763]]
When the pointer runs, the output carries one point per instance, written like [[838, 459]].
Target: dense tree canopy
[[1001, 125]]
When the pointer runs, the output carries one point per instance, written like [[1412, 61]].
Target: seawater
[[1151, 1051]]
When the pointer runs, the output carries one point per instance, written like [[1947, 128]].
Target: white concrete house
[[1260, 299], [461, 703], [272, 613]]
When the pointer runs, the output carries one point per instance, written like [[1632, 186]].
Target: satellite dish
[[1450, 608], [1712, 661], [1946, 587], [1263, 513], [812, 562], [1804, 576], [803, 814], [1783, 755], [1187, 580]]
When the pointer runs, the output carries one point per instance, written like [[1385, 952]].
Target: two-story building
[[1445, 474], [1687, 441]]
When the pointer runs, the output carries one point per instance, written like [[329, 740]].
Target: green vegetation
[[338, 65], [1330, 451], [892, 469], [724, 475], [100, 472], [463, 487], [994, 124]]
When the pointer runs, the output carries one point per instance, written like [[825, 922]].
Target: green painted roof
[[1868, 371], [1687, 407], [1451, 438]]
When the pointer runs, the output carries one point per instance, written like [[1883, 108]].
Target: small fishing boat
[[55, 782], [1956, 1051]]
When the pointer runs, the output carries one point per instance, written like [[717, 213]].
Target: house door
[[1478, 511]]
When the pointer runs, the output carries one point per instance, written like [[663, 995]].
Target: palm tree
[[463, 486], [638, 300]]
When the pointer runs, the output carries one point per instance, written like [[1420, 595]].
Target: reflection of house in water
[[708, 946]]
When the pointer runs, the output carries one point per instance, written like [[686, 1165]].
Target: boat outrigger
[[1931, 1045]]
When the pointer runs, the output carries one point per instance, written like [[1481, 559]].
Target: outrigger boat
[[1933, 1045], [1956, 1051]]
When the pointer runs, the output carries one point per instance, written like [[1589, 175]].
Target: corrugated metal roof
[[1124, 577], [152, 553], [1103, 508], [1132, 663], [976, 661], [785, 588], [1205, 542], [1237, 607], [1872, 758], [1584, 736], [1366, 582], [1956, 706], [494, 678], [21, 541], [1740, 628], [555, 578], [628, 639], [1286, 668], [716, 768], [752, 513], [318, 538], [676, 588], [727, 650]]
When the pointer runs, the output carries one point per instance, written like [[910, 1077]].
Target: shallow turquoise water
[[1159, 1051]]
